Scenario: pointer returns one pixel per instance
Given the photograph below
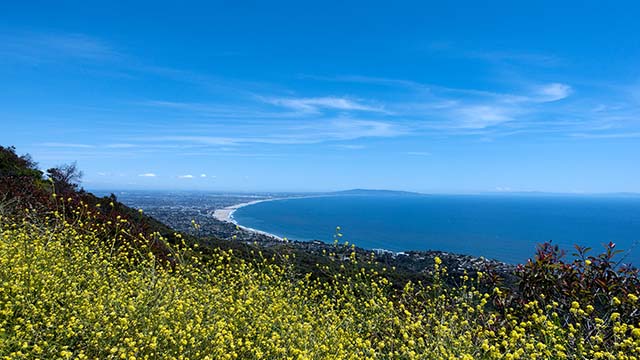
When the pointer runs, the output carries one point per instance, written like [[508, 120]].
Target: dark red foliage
[[22, 187], [599, 281]]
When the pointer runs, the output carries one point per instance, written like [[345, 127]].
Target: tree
[[21, 182], [13, 165], [65, 177]]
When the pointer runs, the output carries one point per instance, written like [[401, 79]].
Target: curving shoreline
[[456, 261], [226, 215]]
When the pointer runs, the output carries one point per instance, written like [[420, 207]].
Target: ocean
[[502, 227]]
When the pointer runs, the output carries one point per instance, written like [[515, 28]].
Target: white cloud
[[148, 175], [435, 107], [553, 92], [368, 80], [67, 145], [482, 116], [316, 103], [205, 140], [349, 129], [188, 176], [350, 146], [121, 146], [308, 132], [203, 175]]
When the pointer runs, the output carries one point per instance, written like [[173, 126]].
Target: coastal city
[[212, 212], [180, 209]]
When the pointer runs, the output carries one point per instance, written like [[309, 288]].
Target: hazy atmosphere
[[240, 96]]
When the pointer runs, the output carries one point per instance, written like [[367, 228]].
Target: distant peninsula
[[376, 192]]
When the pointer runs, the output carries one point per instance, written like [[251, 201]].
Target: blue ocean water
[[501, 227]]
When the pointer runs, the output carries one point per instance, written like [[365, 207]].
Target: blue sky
[[313, 96]]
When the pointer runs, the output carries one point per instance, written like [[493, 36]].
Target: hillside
[[85, 277]]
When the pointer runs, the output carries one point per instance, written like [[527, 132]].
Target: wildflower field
[[72, 287], [83, 277]]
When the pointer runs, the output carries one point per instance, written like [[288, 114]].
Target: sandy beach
[[226, 215]]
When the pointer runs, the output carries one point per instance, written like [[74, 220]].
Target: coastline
[[457, 261], [226, 215]]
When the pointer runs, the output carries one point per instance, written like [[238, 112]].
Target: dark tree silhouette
[[65, 177], [13, 165]]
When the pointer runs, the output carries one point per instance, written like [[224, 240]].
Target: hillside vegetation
[[83, 277]]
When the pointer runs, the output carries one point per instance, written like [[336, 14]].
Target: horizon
[[461, 98], [267, 192]]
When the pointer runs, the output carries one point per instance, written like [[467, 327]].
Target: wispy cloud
[[496, 56], [527, 58], [482, 116], [66, 145], [450, 108], [407, 107], [188, 176], [245, 110], [314, 104], [121, 146], [554, 92], [148, 175], [419, 153], [350, 146], [195, 139], [368, 80], [77, 45], [307, 132], [620, 135], [44, 47]]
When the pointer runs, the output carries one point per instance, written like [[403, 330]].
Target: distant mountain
[[376, 192]]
